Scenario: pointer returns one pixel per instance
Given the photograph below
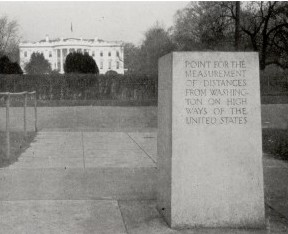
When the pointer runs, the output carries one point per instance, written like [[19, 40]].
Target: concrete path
[[104, 182], [53, 217], [89, 150]]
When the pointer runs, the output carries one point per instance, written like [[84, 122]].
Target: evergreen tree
[[8, 67], [38, 65], [77, 62]]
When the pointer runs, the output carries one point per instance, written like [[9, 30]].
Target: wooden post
[[25, 119], [35, 111], [7, 127]]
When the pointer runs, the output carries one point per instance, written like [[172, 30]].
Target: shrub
[[77, 62], [8, 67], [275, 141], [38, 65]]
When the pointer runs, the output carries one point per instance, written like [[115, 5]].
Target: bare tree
[[266, 25], [237, 25], [9, 38], [262, 27]]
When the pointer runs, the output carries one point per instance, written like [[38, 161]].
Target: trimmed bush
[[275, 141], [8, 67], [273, 81], [38, 65], [77, 62], [82, 86]]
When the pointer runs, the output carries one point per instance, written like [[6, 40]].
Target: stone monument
[[209, 140]]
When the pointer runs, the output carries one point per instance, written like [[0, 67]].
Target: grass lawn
[[18, 144], [275, 142], [274, 99], [92, 117]]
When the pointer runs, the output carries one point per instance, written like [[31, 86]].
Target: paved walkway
[[89, 149], [104, 182]]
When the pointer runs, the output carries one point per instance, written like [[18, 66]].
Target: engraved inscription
[[216, 93]]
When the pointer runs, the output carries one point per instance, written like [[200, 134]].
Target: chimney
[[47, 38]]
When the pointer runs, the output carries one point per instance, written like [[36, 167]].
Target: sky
[[112, 21]]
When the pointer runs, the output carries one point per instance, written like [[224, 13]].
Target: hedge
[[275, 142], [82, 86], [274, 86], [274, 82]]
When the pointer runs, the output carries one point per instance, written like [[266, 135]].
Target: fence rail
[[25, 94]]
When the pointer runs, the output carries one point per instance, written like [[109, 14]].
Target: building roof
[[69, 41]]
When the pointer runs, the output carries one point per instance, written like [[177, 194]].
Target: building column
[[61, 61], [55, 59]]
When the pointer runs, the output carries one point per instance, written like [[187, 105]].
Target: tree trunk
[[237, 26]]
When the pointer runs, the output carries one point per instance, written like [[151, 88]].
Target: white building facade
[[107, 55]]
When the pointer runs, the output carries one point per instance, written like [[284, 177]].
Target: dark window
[[109, 54], [101, 54]]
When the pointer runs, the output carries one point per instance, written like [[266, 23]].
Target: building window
[[109, 54], [93, 53], [79, 50], [101, 54], [109, 64], [117, 53], [101, 65], [117, 65], [50, 54], [25, 53]]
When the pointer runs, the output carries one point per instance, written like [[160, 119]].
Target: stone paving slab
[[147, 141], [119, 162], [142, 217], [84, 149], [78, 183], [99, 129], [55, 162], [29, 217]]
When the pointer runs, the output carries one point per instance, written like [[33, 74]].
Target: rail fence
[[7, 96]]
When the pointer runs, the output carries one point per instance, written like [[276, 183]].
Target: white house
[[107, 55]]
